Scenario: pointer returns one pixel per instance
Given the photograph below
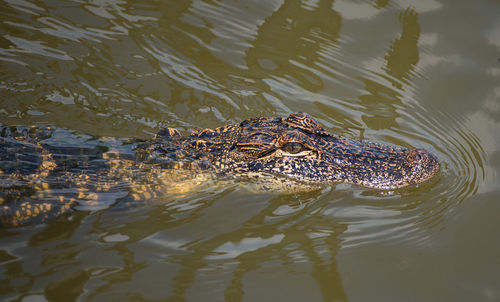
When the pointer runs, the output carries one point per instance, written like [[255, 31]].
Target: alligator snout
[[424, 165]]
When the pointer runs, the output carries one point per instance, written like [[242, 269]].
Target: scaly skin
[[40, 179], [296, 147]]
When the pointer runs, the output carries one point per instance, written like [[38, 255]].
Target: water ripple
[[413, 214], [24, 46]]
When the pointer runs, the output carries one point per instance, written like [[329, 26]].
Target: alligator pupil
[[293, 147]]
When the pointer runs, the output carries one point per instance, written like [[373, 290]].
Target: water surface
[[419, 74]]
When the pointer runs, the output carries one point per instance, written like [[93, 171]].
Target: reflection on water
[[397, 72]]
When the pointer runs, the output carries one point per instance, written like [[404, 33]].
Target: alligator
[[39, 166]]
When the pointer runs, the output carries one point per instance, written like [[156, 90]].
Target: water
[[420, 74]]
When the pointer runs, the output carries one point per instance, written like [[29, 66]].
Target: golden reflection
[[382, 101], [381, 3], [403, 54], [290, 39], [324, 265], [300, 233], [67, 288]]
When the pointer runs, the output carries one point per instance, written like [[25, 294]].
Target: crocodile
[[36, 169]]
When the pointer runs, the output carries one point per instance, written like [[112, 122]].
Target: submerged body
[[42, 175]]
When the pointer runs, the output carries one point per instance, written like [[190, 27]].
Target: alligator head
[[299, 148]]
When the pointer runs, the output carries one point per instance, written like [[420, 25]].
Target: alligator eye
[[293, 147]]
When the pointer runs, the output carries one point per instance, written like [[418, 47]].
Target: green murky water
[[420, 74]]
